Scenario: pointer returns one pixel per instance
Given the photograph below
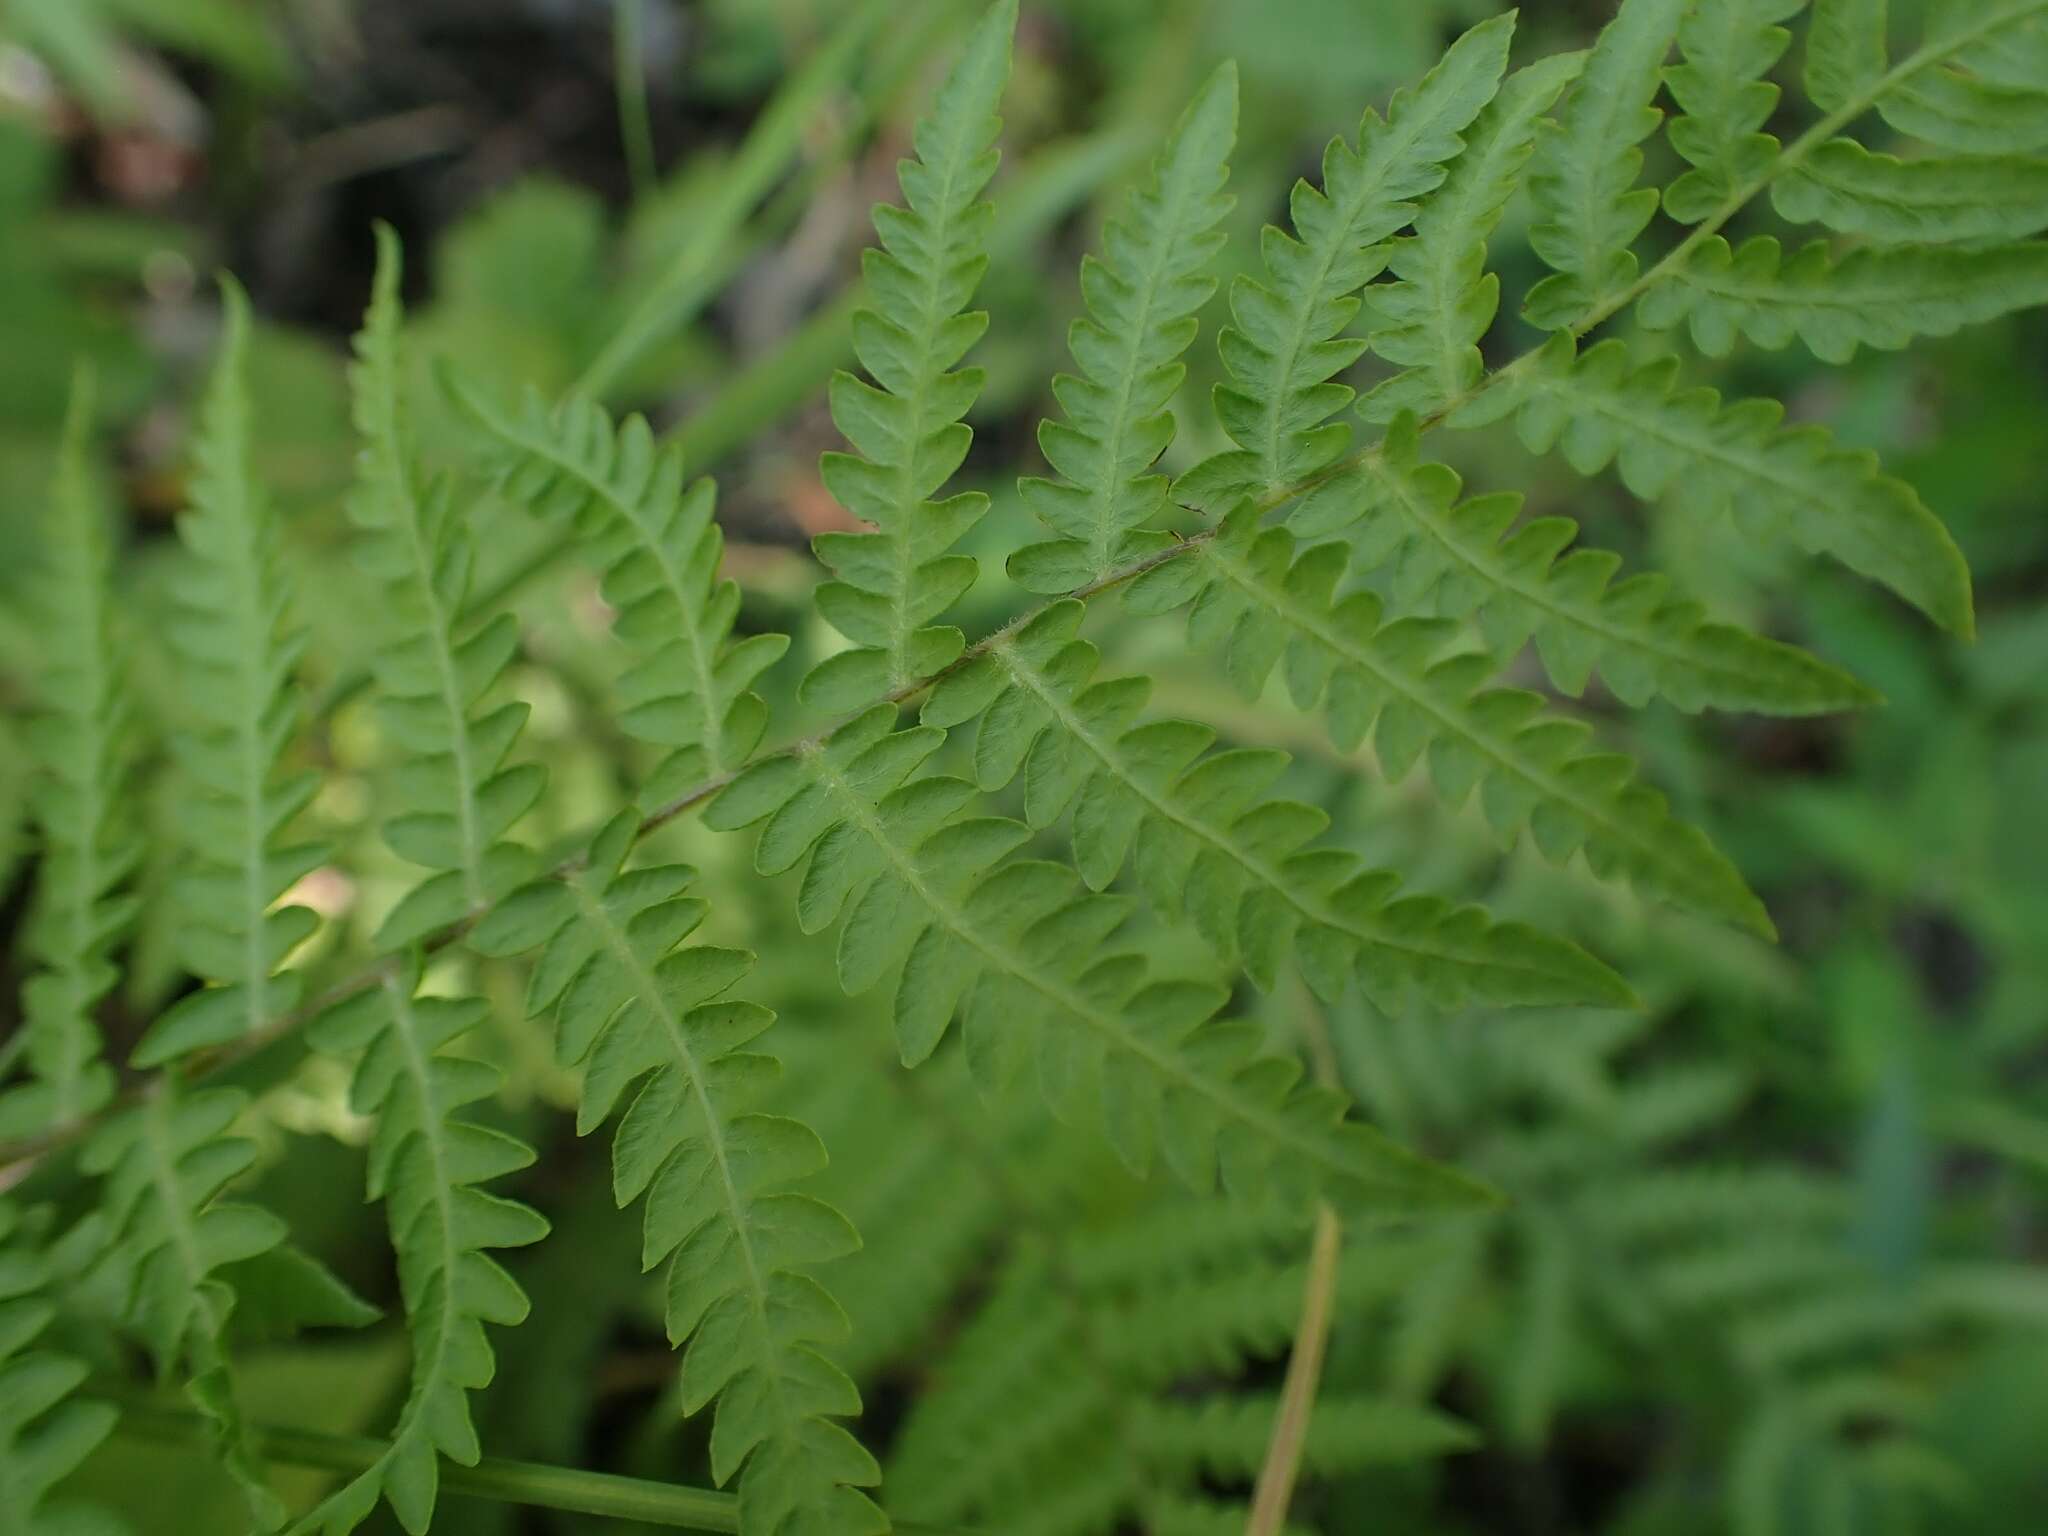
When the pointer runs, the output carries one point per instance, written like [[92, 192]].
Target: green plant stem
[[494, 1477], [629, 79]]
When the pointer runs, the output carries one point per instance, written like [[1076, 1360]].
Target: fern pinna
[[1038, 866]]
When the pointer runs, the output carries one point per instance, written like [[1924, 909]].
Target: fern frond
[[1207, 840], [459, 799], [45, 1432], [1581, 181], [1728, 51], [170, 1238], [427, 1166], [1260, 603], [1017, 950], [1872, 296], [456, 802], [78, 746], [624, 500], [236, 645], [1224, 1437], [1845, 52], [1930, 199], [1430, 319], [1461, 559], [1143, 294], [637, 1011], [1287, 342], [1989, 92], [1786, 482], [906, 428]]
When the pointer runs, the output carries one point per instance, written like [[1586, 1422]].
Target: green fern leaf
[[1430, 320], [426, 1165], [45, 1432], [1932, 199], [1989, 91], [1392, 681], [1142, 299], [170, 1237], [908, 433], [1729, 48], [78, 743], [638, 1012], [460, 798], [1460, 559], [1792, 483], [1208, 841], [690, 687], [235, 643], [1287, 342], [1845, 52], [1587, 216], [1017, 949], [1873, 296]]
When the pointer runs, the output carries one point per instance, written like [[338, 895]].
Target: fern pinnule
[[1393, 681], [1143, 294], [1582, 180], [1872, 296], [1460, 559], [457, 797], [1987, 92], [236, 643], [79, 750], [690, 687], [46, 1431], [1928, 199], [427, 1165], [1287, 343], [906, 427], [1430, 319], [1019, 951], [1596, 408], [1726, 97], [649, 1019], [1209, 841], [1845, 52]]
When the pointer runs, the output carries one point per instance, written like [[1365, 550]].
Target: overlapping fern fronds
[[80, 752], [650, 1020]]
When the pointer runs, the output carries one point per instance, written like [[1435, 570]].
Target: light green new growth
[[1582, 181], [906, 427], [690, 687], [238, 651], [79, 747], [1142, 295], [650, 1022]]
